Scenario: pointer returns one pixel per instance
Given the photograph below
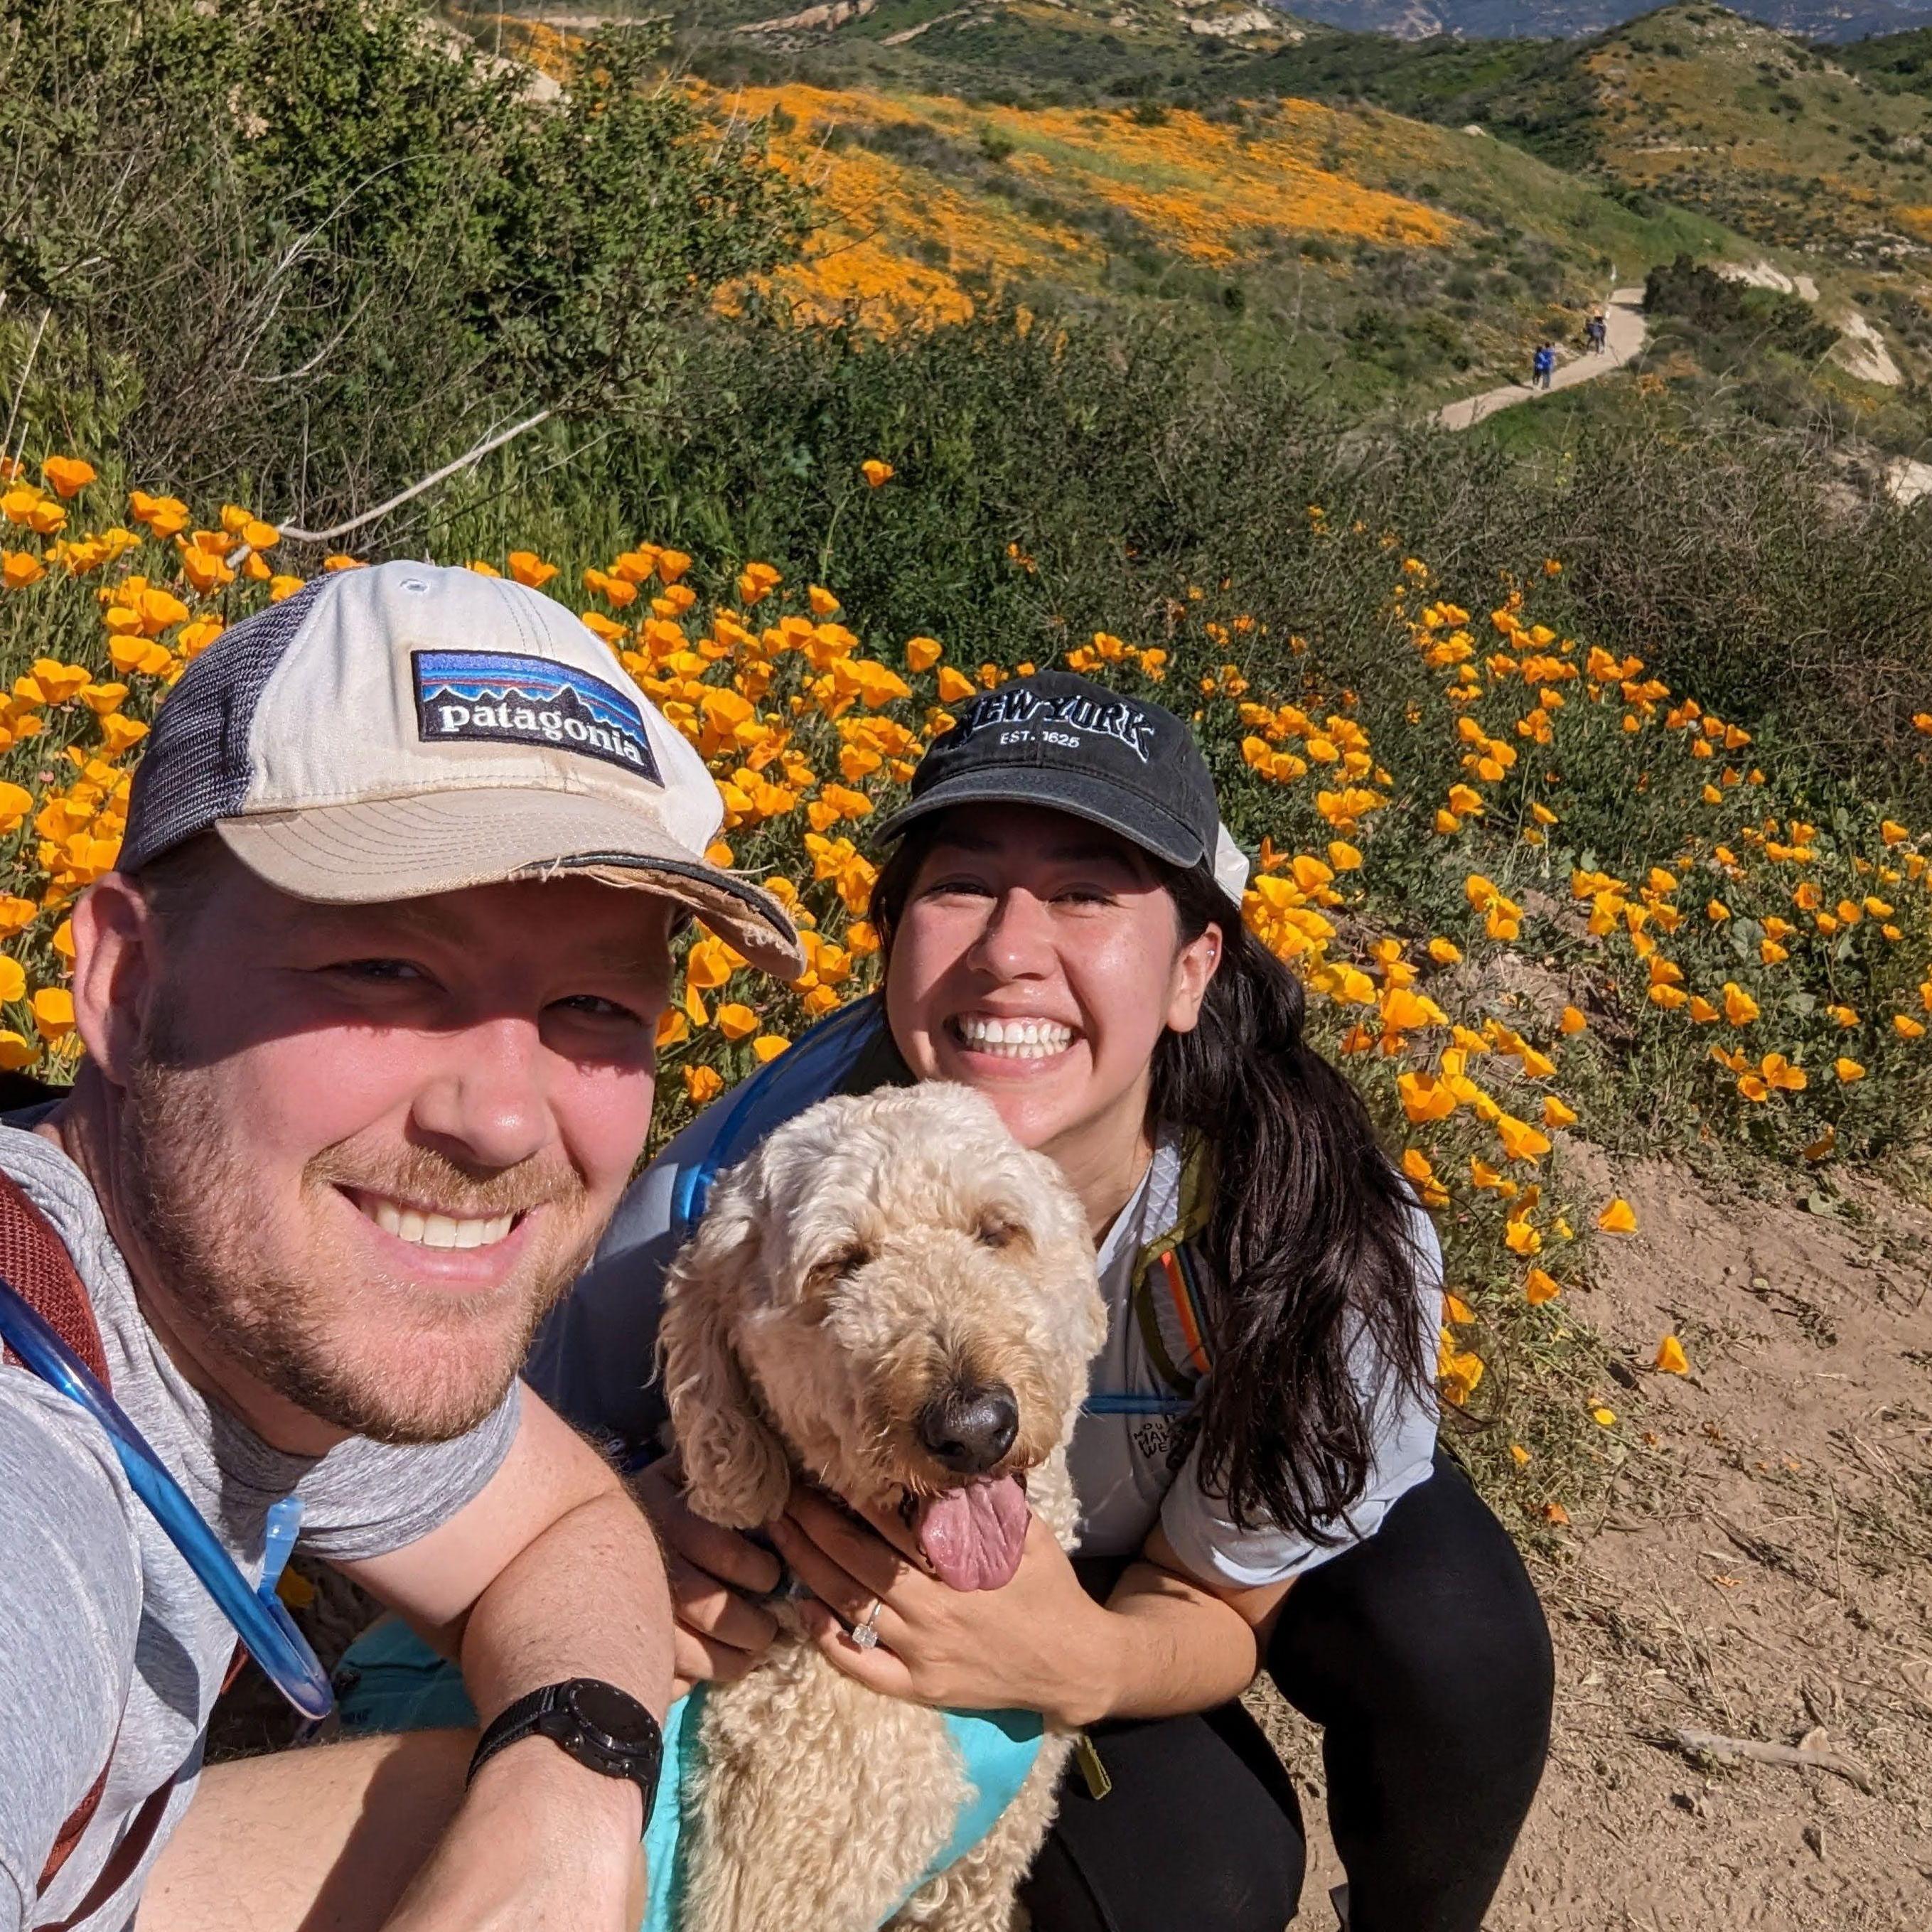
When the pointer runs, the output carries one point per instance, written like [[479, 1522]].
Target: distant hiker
[[1596, 333], [1543, 365]]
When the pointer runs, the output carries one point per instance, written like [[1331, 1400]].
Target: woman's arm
[[1175, 1644]]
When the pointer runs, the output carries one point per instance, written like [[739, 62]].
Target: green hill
[[1394, 221], [1790, 145], [1172, 159]]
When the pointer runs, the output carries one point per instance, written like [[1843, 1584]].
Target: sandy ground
[[1773, 1582]]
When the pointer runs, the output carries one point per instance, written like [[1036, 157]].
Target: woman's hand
[[1039, 1644], [719, 1634]]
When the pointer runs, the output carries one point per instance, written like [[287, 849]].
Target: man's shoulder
[[71, 1605], [59, 1190], [50, 1447]]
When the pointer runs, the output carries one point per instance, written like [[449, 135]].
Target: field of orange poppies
[[1486, 982]]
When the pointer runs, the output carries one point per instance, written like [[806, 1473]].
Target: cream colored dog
[[893, 1298]]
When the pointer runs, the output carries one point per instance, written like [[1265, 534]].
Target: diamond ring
[[866, 1631]]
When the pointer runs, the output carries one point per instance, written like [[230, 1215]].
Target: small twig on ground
[[1803, 1757]]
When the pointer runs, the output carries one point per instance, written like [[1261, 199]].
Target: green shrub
[[324, 244]]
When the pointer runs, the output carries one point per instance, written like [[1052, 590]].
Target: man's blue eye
[[387, 971]]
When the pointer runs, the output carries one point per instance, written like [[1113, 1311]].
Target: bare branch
[[1710, 1743], [20, 388], [466, 461], [327, 348]]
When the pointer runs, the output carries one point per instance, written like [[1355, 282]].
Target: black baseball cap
[[1062, 742]]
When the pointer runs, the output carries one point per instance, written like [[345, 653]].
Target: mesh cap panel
[[194, 766]]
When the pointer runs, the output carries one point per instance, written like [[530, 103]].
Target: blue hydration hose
[[812, 1067], [267, 1631]]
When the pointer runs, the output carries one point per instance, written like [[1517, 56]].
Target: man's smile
[[426, 1225]]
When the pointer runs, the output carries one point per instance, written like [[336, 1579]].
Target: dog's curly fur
[[870, 1253]]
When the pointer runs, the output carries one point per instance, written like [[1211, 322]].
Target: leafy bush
[[322, 245], [1716, 305]]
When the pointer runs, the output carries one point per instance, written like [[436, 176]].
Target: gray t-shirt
[[1132, 1467], [111, 1651]]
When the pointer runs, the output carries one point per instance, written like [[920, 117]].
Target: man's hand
[[720, 1635], [550, 1573]]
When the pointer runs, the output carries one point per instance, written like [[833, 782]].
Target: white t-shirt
[[1132, 1460]]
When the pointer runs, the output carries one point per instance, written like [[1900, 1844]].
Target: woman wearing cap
[[1260, 1484]]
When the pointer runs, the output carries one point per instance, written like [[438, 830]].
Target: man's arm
[[551, 1572], [69, 1604]]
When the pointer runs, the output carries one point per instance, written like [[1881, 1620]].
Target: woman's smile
[[1009, 1037]]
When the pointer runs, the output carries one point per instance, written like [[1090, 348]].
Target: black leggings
[[1423, 1655]]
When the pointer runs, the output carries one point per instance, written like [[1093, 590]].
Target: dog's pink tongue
[[972, 1536]]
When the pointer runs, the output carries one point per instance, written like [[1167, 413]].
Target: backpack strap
[[35, 1259], [1169, 1282]]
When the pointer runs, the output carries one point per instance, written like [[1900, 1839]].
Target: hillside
[[1419, 19], [1138, 153], [1701, 108], [1411, 253]]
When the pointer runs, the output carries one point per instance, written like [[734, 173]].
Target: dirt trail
[[1625, 333], [1766, 1572]]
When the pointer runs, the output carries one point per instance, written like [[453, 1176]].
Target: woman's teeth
[[1015, 1039], [435, 1230]]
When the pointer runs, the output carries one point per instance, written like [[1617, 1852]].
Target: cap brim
[[1139, 820], [444, 842]]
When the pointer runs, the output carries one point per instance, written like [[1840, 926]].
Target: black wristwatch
[[605, 1729]]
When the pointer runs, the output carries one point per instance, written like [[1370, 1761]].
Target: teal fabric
[[391, 1680]]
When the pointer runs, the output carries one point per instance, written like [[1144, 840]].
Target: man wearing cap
[[369, 1006]]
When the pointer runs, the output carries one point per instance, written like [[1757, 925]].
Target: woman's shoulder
[[649, 1213]]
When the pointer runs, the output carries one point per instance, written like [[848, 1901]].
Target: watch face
[[603, 1709]]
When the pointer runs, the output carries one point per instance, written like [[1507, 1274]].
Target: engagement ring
[[866, 1631]]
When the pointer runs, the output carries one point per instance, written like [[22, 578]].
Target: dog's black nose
[[969, 1429]]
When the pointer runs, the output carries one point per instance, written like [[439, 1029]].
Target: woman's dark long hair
[[1310, 1245]]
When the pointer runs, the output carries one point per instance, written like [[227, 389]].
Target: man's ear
[[117, 971]]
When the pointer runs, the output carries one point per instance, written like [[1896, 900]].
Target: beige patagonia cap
[[390, 733]]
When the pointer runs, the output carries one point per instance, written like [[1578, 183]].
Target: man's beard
[[200, 1211]]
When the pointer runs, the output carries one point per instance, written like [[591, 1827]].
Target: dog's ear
[[736, 1474]]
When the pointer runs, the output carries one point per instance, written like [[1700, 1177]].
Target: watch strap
[[510, 1725], [533, 1714]]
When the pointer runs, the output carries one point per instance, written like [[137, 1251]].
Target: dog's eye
[[992, 1232], [834, 1268]]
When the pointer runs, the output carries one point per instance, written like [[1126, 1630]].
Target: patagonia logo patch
[[496, 697], [1059, 721]]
